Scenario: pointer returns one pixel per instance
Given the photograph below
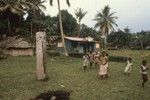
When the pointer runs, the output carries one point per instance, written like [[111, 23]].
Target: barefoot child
[[128, 66], [104, 66], [144, 72], [85, 62]]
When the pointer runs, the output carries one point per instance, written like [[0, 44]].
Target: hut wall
[[8, 51], [22, 52]]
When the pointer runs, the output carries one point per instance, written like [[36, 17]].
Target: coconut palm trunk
[[61, 30], [31, 28], [9, 27], [105, 42], [79, 29]]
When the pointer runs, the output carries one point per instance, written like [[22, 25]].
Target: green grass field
[[18, 79]]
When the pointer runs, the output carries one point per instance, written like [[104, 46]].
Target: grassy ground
[[18, 79]]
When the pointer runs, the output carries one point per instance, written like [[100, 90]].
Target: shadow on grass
[[53, 95]]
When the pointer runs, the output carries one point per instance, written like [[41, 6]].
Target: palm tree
[[60, 22], [36, 7], [127, 31], [105, 21], [79, 15], [16, 7]]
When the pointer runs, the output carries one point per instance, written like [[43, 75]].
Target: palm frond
[[105, 20], [80, 13], [106, 10]]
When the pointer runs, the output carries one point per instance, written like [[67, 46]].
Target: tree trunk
[[61, 30], [79, 29], [105, 42], [41, 55], [31, 29], [9, 28]]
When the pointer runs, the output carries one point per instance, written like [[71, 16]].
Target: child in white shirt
[[128, 66], [86, 61]]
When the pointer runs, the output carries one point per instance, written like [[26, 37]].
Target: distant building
[[16, 46], [77, 44]]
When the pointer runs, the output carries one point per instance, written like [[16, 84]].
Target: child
[[128, 66], [96, 59], [104, 66], [107, 58], [144, 72], [91, 58], [85, 62]]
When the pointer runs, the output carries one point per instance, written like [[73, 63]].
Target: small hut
[[16, 46]]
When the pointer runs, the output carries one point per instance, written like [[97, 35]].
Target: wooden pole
[[41, 55]]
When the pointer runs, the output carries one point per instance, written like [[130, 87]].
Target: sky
[[133, 14]]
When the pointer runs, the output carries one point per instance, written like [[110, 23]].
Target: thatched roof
[[15, 42]]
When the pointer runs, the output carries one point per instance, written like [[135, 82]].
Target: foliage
[[105, 20], [76, 55], [53, 53], [50, 24], [2, 56], [14, 10], [117, 58], [140, 39], [69, 22], [79, 13], [119, 39]]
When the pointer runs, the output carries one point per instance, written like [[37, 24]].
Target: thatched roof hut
[[16, 46]]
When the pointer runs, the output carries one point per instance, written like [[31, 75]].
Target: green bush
[[118, 58], [53, 53], [77, 55], [2, 57]]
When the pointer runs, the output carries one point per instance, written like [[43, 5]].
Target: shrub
[[53, 53], [2, 56], [118, 58], [77, 55]]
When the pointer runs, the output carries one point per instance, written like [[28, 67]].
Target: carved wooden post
[[41, 55]]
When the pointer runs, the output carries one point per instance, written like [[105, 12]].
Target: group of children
[[143, 69], [100, 59]]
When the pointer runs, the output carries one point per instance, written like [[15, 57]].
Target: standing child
[[128, 66], [91, 59], [96, 59], [108, 69], [144, 72], [104, 66], [85, 62]]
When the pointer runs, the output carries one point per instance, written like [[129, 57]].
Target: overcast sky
[[132, 13]]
